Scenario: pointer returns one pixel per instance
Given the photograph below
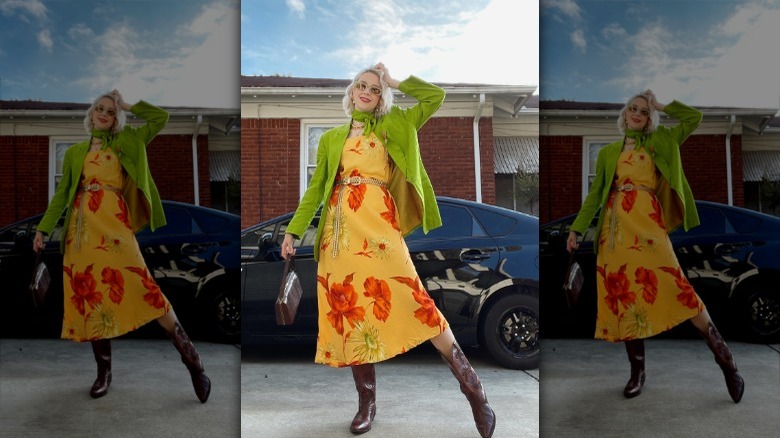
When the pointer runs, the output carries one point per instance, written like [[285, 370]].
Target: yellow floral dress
[[108, 290], [642, 290], [372, 304]]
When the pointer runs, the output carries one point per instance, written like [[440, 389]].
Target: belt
[[341, 183], [83, 190], [613, 217]]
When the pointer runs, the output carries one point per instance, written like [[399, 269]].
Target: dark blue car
[[480, 268], [194, 259]]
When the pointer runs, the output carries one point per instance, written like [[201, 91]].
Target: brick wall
[[270, 163], [25, 176], [703, 158]]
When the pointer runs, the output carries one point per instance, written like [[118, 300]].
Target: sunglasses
[[107, 111], [634, 109], [360, 85]]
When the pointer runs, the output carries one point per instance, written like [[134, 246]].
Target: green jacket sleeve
[[156, 118], [593, 200], [689, 118], [60, 198], [429, 99], [312, 197]]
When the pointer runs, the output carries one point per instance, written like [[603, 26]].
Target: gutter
[[196, 189], [477, 161], [729, 181]]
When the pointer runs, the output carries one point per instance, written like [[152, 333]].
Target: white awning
[[224, 165], [759, 165], [516, 153]]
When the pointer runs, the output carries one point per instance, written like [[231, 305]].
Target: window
[[311, 132], [57, 148], [590, 154]]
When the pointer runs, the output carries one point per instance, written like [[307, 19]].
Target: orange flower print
[[617, 285], [427, 313], [390, 215], [687, 295], [124, 214], [657, 215], [364, 252], [356, 193], [629, 197], [649, 282], [342, 299], [83, 285], [96, 197], [116, 283], [380, 292], [357, 149], [154, 297]]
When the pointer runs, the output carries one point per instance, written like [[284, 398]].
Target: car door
[[262, 269]]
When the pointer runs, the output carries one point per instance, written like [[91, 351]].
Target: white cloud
[[496, 45], [568, 8], [36, 8], [298, 7], [199, 66], [578, 39], [44, 39], [79, 31]]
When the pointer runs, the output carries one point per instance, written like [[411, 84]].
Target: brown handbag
[[573, 281], [289, 294], [39, 284]]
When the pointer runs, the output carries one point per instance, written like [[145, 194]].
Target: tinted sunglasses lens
[[376, 90]]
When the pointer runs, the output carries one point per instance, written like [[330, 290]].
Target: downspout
[[477, 161], [729, 182], [195, 177]]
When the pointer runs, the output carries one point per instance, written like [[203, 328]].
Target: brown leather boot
[[365, 382], [190, 358], [636, 356], [102, 351], [471, 387], [725, 360]]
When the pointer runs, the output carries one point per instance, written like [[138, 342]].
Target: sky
[[167, 52], [454, 41], [711, 53]]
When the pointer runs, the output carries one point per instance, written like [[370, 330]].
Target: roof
[[39, 105], [513, 154], [225, 165], [759, 165]]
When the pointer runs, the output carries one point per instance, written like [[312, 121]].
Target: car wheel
[[510, 331], [761, 315], [222, 313]]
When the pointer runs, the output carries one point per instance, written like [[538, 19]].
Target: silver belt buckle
[[627, 187]]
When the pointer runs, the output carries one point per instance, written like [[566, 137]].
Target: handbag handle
[[289, 265]]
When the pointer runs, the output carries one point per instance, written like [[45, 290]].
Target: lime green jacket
[[139, 190], [409, 185], [673, 191]]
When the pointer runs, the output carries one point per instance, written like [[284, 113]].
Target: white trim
[[585, 161], [304, 135]]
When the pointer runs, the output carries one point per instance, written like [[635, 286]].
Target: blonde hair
[[652, 120], [119, 120], [385, 99]]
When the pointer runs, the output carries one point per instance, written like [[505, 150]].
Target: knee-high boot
[[471, 387], [636, 356], [189, 356], [365, 382], [725, 360], [102, 351]]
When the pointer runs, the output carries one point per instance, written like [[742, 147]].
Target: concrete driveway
[[284, 394], [44, 391], [684, 395]]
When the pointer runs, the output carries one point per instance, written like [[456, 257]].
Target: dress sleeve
[[429, 99], [57, 203], [156, 119], [593, 200]]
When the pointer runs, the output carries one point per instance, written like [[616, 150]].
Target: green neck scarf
[[106, 137], [368, 119], [639, 136]]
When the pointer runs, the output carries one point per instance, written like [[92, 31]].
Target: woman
[[109, 194], [643, 195], [371, 180]]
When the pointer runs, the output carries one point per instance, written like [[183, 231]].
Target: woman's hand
[[287, 246], [392, 83], [571, 242], [653, 101], [120, 101], [38, 242]]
